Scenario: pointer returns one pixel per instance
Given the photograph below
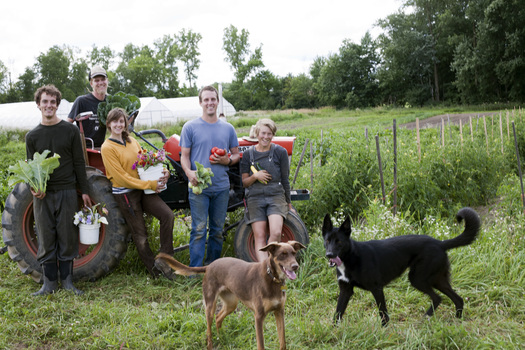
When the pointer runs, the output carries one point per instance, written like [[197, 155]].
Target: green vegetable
[[34, 172], [128, 102], [203, 176]]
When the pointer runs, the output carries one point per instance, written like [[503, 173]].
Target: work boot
[[50, 279], [165, 269], [66, 277]]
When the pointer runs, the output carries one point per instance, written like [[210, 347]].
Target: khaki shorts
[[259, 208]]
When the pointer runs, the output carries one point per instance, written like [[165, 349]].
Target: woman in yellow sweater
[[119, 152]]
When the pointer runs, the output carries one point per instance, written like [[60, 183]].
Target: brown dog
[[260, 286]]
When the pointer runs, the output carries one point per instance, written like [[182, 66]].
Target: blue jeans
[[203, 206]]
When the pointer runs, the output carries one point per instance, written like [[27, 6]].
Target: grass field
[[129, 310]]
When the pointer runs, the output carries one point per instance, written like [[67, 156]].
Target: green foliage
[[128, 102], [450, 176], [12, 151], [35, 171], [204, 176], [129, 310]]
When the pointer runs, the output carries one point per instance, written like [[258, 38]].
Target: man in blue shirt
[[198, 137]]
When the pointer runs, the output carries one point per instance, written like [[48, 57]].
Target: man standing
[[93, 129], [198, 137], [55, 208]]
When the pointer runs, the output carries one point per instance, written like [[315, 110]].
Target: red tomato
[[212, 158], [214, 150], [220, 152]]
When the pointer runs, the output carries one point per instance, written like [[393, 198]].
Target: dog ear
[[327, 224], [270, 247], [296, 245], [346, 226]]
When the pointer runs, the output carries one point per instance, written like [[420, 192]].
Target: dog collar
[[274, 279]]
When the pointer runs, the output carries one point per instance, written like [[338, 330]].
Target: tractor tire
[[93, 261], [244, 243]]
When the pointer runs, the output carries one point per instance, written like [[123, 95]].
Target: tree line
[[428, 52]]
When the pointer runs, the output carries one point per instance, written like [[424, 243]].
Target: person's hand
[[263, 176], [88, 203], [163, 180], [291, 208], [192, 177], [223, 160], [38, 194], [165, 176]]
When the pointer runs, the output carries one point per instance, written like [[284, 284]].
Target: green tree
[[242, 61], [298, 92], [166, 53], [26, 84], [488, 60], [53, 68], [136, 73], [348, 79], [104, 57], [4, 85], [188, 53]]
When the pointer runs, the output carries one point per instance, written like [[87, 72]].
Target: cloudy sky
[[292, 33]]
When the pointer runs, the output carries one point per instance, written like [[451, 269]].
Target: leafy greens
[[34, 172]]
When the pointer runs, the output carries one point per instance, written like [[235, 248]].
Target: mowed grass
[[129, 310]]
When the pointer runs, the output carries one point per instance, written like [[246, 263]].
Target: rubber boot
[[50, 285], [66, 277]]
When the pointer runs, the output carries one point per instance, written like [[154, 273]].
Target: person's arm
[[185, 162], [234, 156], [285, 176], [74, 111], [247, 179], [121, 177]]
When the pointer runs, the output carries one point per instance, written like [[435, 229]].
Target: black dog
[[372, 265]]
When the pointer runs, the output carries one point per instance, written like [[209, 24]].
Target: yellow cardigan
[[118, 161]]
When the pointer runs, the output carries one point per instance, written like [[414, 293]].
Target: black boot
[[66, 277], [50, 272]]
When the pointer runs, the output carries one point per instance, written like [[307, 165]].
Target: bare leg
[[260, 234], [275, 221]]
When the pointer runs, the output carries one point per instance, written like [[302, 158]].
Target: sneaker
[[165, 269]]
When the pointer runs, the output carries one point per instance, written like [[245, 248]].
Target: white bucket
[[151, 173], [88, 234]]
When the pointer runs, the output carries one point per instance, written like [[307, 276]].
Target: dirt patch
[[436, 120]]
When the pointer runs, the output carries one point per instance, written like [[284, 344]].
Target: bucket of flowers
[[88, 221], [150, 165]]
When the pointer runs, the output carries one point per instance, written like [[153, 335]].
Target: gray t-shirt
[[276, 164]]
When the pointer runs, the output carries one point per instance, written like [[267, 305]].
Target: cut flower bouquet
[[148, 159], [91, 216]]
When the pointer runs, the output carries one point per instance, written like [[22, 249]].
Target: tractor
[[97, 260]]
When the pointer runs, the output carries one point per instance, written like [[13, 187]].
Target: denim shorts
[[259, 208]]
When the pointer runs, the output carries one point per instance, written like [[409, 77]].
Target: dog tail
[[180, 268], [472, 226]]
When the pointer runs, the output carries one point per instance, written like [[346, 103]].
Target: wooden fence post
[[418, 140], [471, 131], [380, 169], [461, 132], [395, 168], [501, 133], [486, 136], [519, 166]]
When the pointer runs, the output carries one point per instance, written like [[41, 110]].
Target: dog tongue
[[336, 261], [290, 274]]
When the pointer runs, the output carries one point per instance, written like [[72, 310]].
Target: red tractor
[[98, 260]]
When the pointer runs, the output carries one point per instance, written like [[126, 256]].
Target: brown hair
[[50, 90], [265, 122], [208, 88], [114, 115]]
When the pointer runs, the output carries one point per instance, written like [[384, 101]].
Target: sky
[[292, 33]]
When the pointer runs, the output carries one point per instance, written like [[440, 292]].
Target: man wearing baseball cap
[[87, 105]]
